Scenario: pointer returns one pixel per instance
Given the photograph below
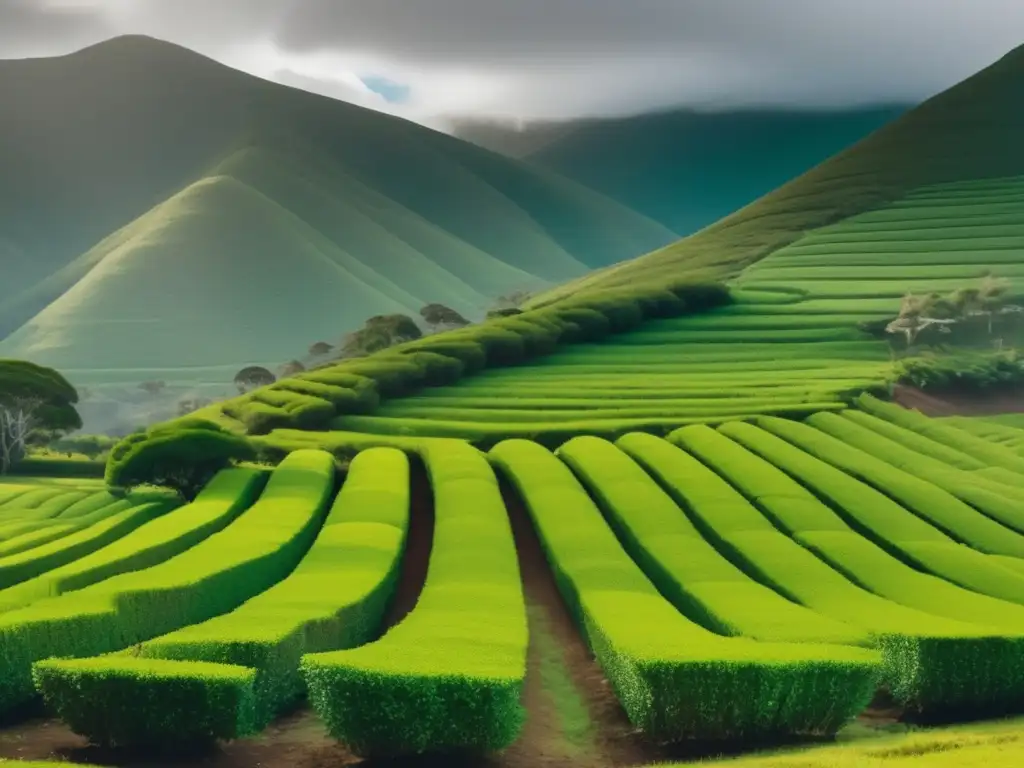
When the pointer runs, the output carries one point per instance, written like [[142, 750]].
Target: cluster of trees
[[966, 315], [378, 332], [37, 406]]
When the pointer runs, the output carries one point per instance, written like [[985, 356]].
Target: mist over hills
[[969, 132], [161, 211], [685, 169]]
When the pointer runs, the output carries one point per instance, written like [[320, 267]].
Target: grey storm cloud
[[566, 58]]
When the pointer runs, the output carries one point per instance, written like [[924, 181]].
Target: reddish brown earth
[[953, 403], [299, 740]]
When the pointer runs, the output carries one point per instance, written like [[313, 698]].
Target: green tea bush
[[685, 568], [185, 459], [881, 519], [25, 565], [448, 677], [675, 679], [991, 454], [817, 527], [335, 598], [404, 368], [982, 493], [921, 652], [230, 492], [255, 551], [926, 500]]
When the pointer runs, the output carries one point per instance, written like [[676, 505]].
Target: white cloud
[[567, 58]]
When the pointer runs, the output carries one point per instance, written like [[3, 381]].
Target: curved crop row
[[22, 536], [685, 568], [993, 455], [450, 675], [997, 506], [926, 500], [674, 678], [813, 525], [883, 522], [30, 563], [930, 663], [335, 598], [932, 455], [251, 554], [220, 502]]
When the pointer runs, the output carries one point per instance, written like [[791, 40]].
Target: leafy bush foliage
[[184, 457]]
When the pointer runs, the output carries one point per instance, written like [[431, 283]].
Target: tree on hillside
[[512, 300], [380, 332], [37, 405], [438, 316], [153, 388], [291, 368], [253, 377], [319, 349]]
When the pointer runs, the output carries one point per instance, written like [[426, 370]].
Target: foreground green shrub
[[229, 676], [675, 679], [448, 677], [926, 500], [907, 637], [794, 510], [883, 521], [685, 568], [230, 492], [185, 459], [251, 554]]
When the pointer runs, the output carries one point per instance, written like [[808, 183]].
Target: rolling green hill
[[683, 168], [163, 216], [969, 132], [931, 203]]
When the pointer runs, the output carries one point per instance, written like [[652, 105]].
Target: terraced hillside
[[758, 579], [192, 198]]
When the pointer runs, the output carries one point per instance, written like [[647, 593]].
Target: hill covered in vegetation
[[967, 133], [160, 212], [683, 168]]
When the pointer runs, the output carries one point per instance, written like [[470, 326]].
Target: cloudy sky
[[543, 59]]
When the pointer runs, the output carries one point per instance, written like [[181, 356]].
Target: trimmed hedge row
[[959, 483], [937, 456], [30, 563], [17, 537], [51, 507], [685, 568], [929, 663], [675, 679], [450, 675], [229, 676], [30, 499], [810, 523], [918, 442], [445, 358], [223, 499], [552, 434], [992, 454], [251, 554], [926, 500], [881, 520]]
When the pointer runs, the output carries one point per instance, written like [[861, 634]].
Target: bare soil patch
[[955, 403]]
